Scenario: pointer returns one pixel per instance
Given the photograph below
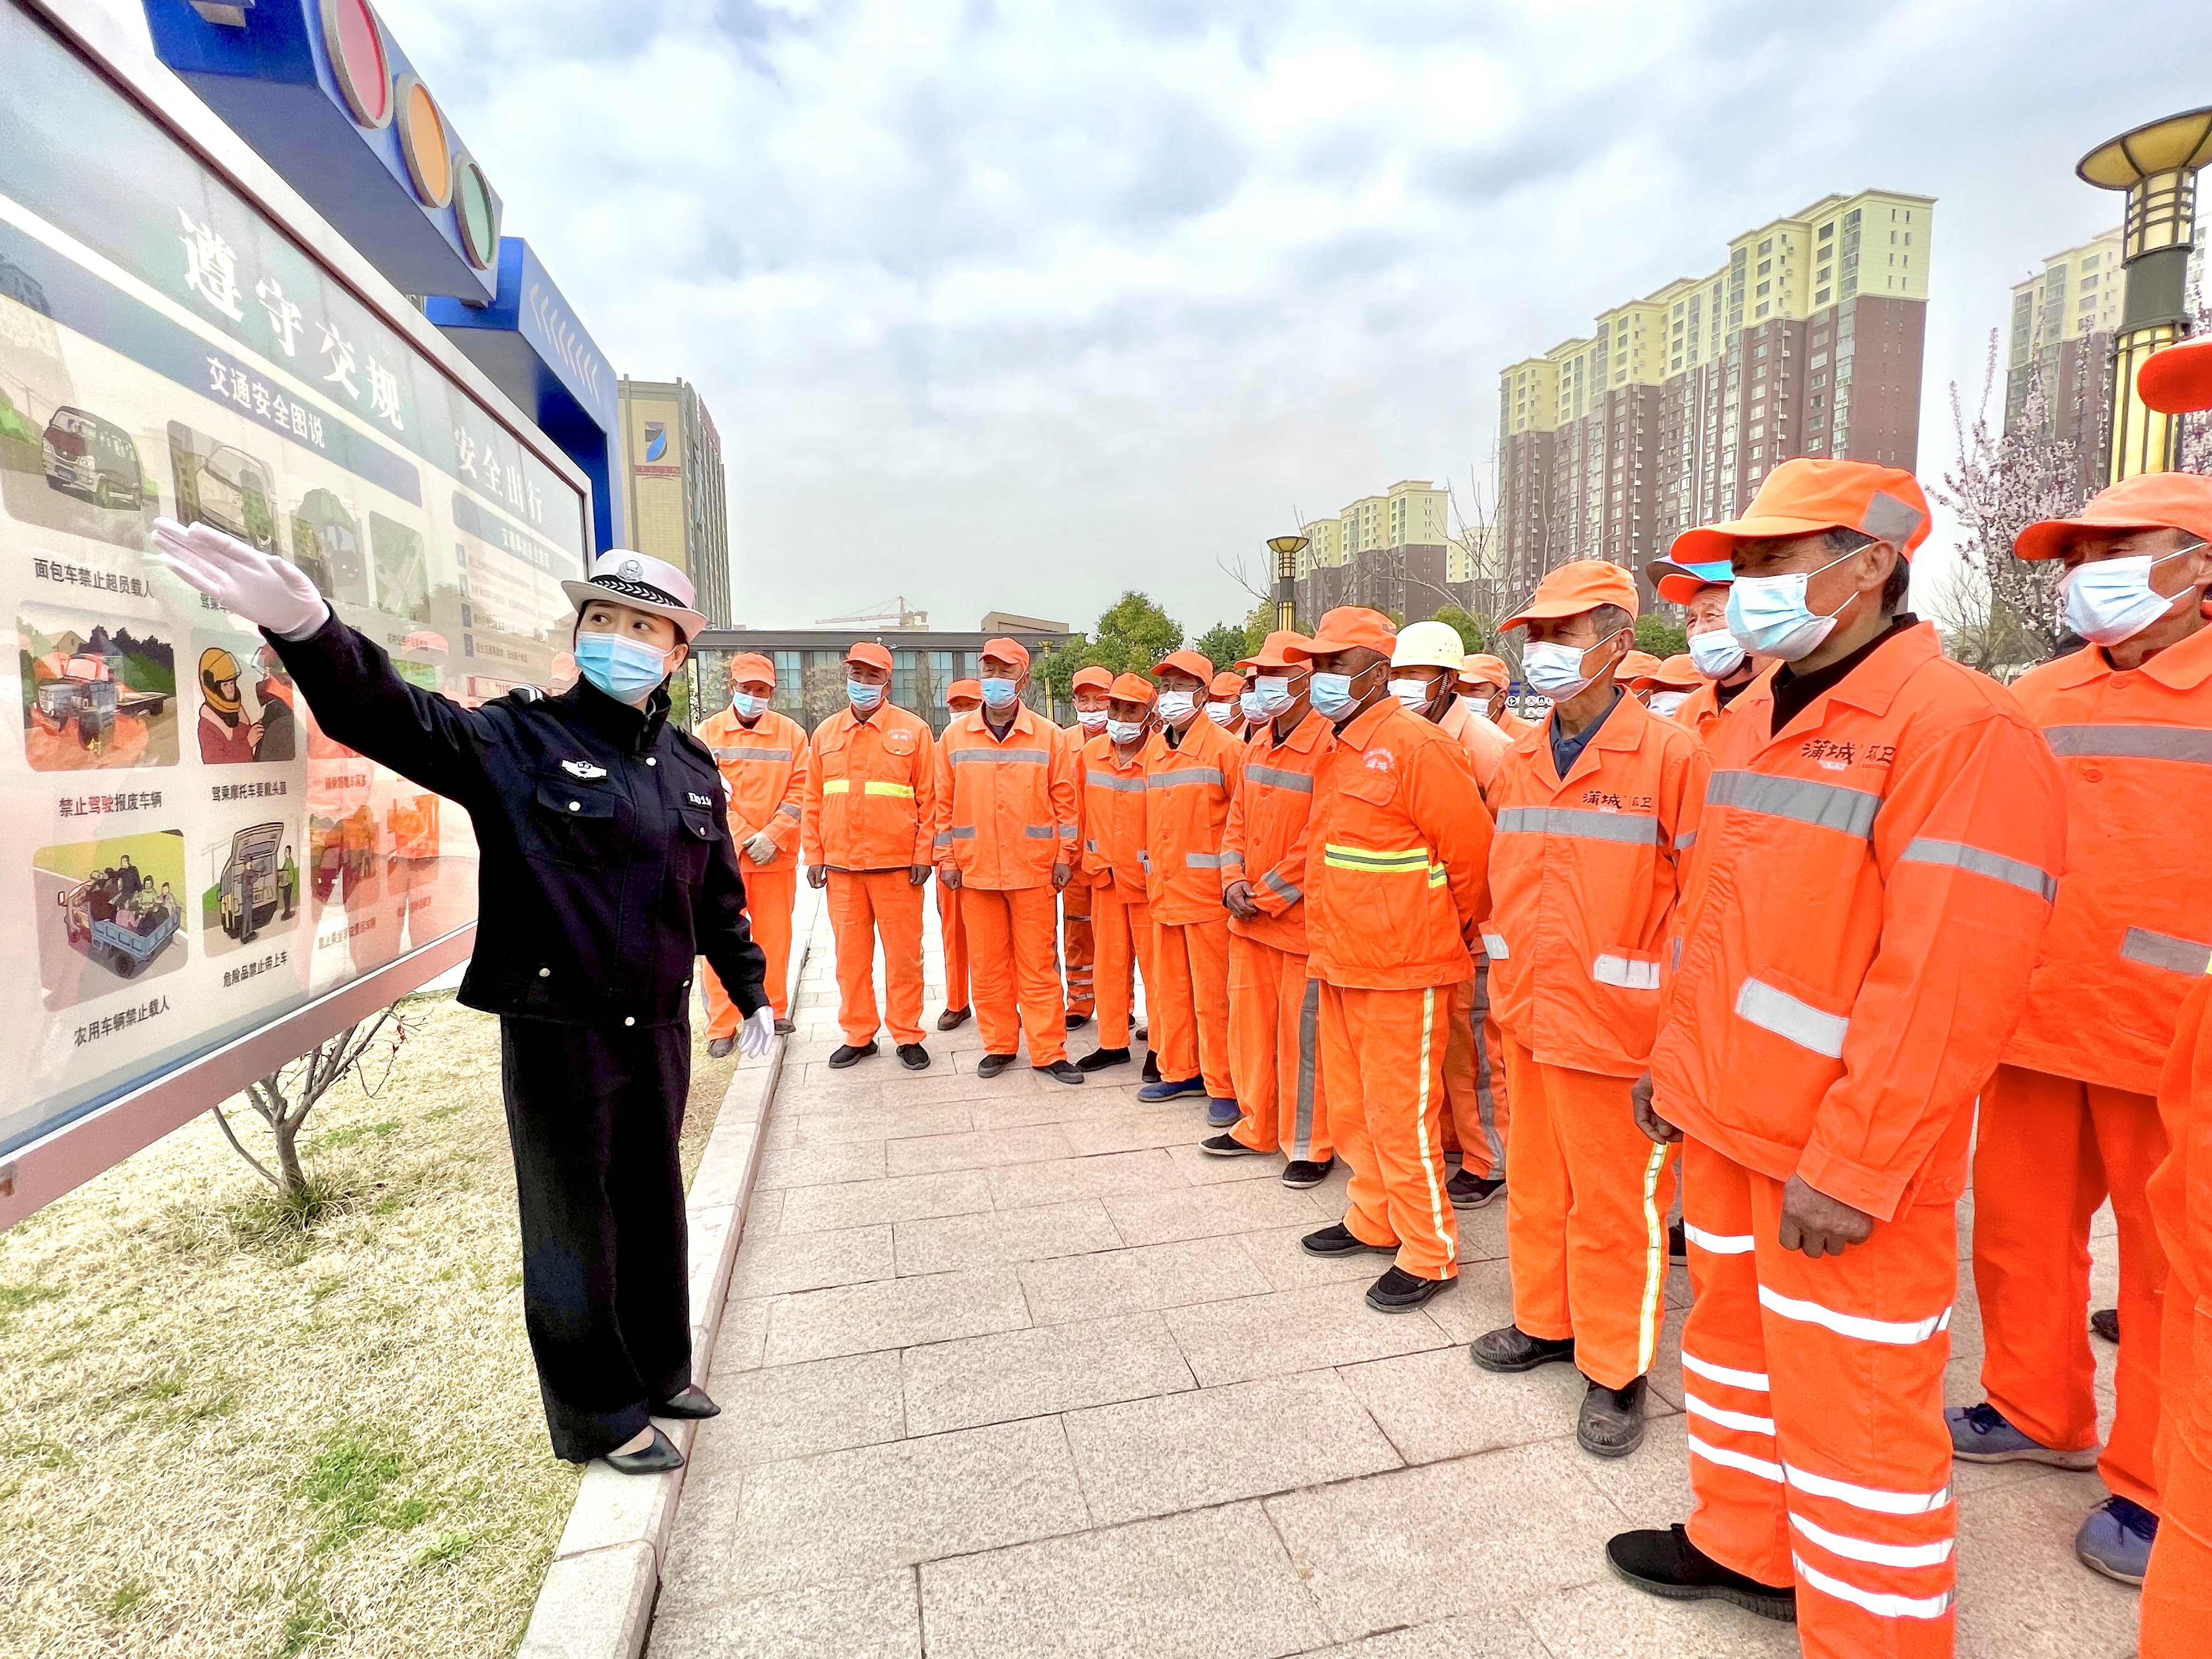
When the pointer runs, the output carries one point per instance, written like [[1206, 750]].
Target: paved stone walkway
[[1012, 1368]]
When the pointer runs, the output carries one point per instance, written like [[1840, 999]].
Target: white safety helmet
[[1428, 645]]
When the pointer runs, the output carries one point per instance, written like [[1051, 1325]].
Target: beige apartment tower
[[678, 507]]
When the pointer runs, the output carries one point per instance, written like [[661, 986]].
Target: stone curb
[[596, 1600]]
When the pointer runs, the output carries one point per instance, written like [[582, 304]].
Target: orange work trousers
[[2177, 1594], [1190, 1003], [1475, 1091], [770, 896], [1123, 931], [1385, 1051], [1012, 947], [866, 905], [954, 933], [1078, 948], [2047, 1151], [1587, 1195], [1814, 1394], [1274, 1052]]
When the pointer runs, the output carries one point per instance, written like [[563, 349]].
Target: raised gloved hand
[[759, 1031], [761, 849], [268, 592]]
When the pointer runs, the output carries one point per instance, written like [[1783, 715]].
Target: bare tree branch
[[260, 1167]]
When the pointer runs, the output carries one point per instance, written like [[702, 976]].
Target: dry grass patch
[[225, 1434]]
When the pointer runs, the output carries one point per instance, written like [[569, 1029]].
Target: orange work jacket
[[870, 791], [763, 766], [1852, 952], [1481, 738], [2133, 927], [1584, 874], [1006, 806], [1701, 710], [1187, 795], [1113, 814], [1403, 881], [1072, 740], [1513, 725], [1264, 842], [2180, 1194]]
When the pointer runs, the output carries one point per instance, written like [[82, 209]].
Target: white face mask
[[1271, 693], [1092, 720], [2112, 600], [1125, 730], [1411, 694], [1221, 713], [1716, 653], [1176, 707], [1557, 670], [1666, 702], [1769, 614]]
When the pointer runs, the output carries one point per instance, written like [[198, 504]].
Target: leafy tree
[[1661, 637], [1475, 633], [1223, 643], [1132, 633]]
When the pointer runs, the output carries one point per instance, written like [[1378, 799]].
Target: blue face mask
[[998, 694], [1255, 709], [1768, 615], [863, 697], [1332, 694], [626, 670], [748, 706]]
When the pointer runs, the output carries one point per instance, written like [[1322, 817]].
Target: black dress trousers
[[593, 1115]]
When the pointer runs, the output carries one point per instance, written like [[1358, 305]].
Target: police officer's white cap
[[643, 584]]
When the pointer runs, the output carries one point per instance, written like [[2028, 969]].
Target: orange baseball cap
[[1679, 584], [1480, 668], [1635, 665], [971, 689], [1134, 688], [1677, 674], [1280, 649], [1576, 587], [1347, 627], [1805, 496], [1006, 650], [2149, 501], [2177, 381], [1226, 684], [869, 652], [749, 665], [1188, 662], [1093, 678]]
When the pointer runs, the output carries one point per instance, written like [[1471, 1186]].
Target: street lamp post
[[1286, 549], [2156, 164]]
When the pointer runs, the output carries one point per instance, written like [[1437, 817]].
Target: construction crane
[[891, 613]]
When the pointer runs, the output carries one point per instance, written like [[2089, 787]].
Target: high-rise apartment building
[[678, 507], [1807, 342], [1392, 552], [2061, 339]]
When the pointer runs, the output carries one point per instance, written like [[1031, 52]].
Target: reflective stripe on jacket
[[1583, 877], [1264, 842], [764, 769], [1114, 814], [1006, 807], [870, 791], [1397, 878], [1852, 950], [1187, 795]]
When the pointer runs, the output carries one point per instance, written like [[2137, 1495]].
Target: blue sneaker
[[1980, 1434], [1168, 1090], [2116, 1539], [1221, 1114]]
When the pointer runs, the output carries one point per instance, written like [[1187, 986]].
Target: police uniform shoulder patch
[[576, 769], [698, 800]]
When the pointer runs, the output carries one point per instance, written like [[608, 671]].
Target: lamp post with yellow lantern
[[1286, 549], [2156, 164]]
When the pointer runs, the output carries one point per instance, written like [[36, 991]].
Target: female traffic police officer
[[606, 870]]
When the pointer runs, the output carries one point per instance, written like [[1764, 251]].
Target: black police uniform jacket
[[607, 866]]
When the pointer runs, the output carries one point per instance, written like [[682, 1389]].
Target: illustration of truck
[[115, 918], [342, 851], [92, 459], [82, 689], [254, 882]]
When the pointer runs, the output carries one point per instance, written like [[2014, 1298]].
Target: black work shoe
[[657, 1458], [692, 1402], [1230, 1147], [1611, 1424], [1077, 1022], [1099, 1059], [1151, 1066], [1666, 1563], [1469, 1191], [1339, 1240], [1510, 1348], [1399, 1292], [914, 1056], [719, 1048], [1141, 1031], [2105, 1322], [1061, 1071], [850, 1053], [786, 1027], [991, 1065], [1302, 1172], [953, 1018], [1678, 1243]]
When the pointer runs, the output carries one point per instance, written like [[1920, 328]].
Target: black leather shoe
[[657, 1458], [991, 1065], [786, 1027], [692, 1403], [1611, 1423], [1666, 1563], [850, 1053], [953, 1018], [1678, 1243], [2105, 1322], [914, 1056], [1399, 1292], [719, 1048], [1510, 1348], [1338, 1240], [1099, 1059], [1151, 1066], [1061, 1071], [1227, 1146], [1304, 1172], [1077, 1022], [1468, 1191]]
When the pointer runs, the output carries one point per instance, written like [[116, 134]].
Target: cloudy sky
[[1012, 305]]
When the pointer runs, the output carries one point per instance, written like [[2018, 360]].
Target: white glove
[[268, 592], [759, 1031], [761, 848]]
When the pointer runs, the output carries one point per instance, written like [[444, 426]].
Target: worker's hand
[[917, 875], [948, 876], [1818, 1225], [759, 1031], [1238, 895], [761, 849], [268, 592], [818, 875], [1653, 1125], [1062, 875]]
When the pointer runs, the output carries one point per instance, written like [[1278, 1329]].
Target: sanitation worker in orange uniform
[[870, 798], [1882, 835], [1597, 811], [2072, 1115], [1188, 784], [1224, 704], [762, 757], [1484, 681], [1724, 668], [1115, 763], [1007, 840], [1275, 1006], [962, 697], [1402, 883], [1665, 688], [1635, 666], [1090, 688]]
